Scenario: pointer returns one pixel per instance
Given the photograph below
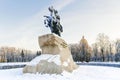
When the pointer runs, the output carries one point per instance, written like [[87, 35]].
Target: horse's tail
[[61, 28]]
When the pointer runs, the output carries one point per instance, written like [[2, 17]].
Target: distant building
[[85, 50], [84, 44]]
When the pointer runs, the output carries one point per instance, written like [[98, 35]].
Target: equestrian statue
[[53, 21]]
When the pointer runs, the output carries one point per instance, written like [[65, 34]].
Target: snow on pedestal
[[56, 57]]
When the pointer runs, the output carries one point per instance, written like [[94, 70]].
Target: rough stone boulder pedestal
[[56, 56]]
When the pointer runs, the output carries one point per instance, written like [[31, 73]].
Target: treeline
[[81, 51], [102, 50], [12, 54]]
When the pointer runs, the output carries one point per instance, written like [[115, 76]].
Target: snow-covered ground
[[13, 63], [82, 73], [108, 64], [100, 62]]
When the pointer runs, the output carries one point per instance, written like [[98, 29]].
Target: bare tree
[[75, 51], [103, 44], [117, 47], [22, 55], [95, 56]]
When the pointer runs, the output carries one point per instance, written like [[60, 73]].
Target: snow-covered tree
[[95, 55], [117, 47], [12, 54], [75, 51], [103, 44]]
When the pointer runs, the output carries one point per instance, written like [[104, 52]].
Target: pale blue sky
[[21, 21]]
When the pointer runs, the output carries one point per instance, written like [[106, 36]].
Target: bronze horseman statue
[[53, 21]]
